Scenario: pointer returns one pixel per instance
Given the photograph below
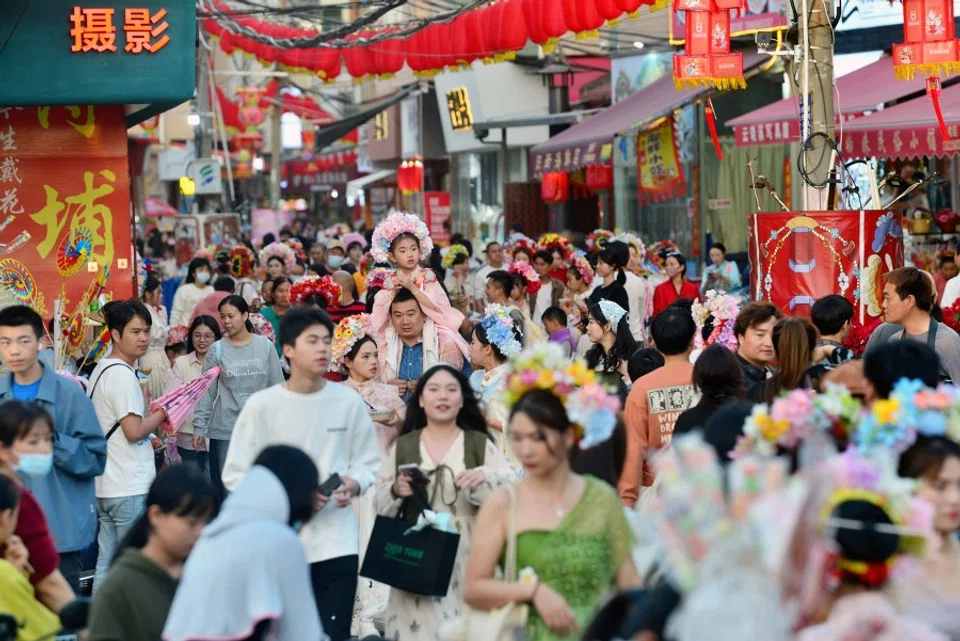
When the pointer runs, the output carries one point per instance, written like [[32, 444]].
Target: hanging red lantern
[[707, 60], [609, 11], [590, 18], [571, 16], [629, 7], [599, 177], [416, 176], [513, 29], [531, 18], [488, 32], [357, 59], [555, 187], [433, 59], [473, 30], [929, 40], [389, 56], [447, 46], [415, 58], [403, 177], [553, 19], [227, 43]]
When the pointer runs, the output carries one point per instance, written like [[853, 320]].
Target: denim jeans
[[199, 461], [117, 516], [217, 459]]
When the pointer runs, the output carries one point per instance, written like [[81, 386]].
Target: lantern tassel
[[712, 126], [934, 89]]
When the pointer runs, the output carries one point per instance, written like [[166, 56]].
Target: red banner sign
[[773, 133], [908, 142], [64, 203], [796, 258], [437, 208]]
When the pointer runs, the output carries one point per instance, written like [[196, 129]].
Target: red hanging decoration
[[553, 19], [707, 60], [609, 11], [555, 187], [357, 59], [489, 26], [531, 18], [590, 18], [934, 90], [463, 54], [571, 16], [410, 176], [389, 56], [599, 177], [513, 29], [630, 7], [930, 45], [473, 28], [712, 127]]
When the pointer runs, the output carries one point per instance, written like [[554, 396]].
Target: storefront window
[[476, 191]]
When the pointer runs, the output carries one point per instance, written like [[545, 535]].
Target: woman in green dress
[[573, 541]]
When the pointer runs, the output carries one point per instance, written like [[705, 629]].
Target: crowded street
[[479, 320]]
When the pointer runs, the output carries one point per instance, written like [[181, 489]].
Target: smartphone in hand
[[330, 485], [416, 475]]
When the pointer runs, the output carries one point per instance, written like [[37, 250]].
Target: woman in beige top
[[204, 332]]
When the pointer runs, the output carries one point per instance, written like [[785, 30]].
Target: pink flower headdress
[[529, 274], [392, 226], [279, 250], [580, 263], [724, 309], [377, 277], [519, 241], [354, 237], [350, 330], [308, 286], [261, 326], [177, 335]]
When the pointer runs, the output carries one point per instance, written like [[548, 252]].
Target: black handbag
[[419, 562]]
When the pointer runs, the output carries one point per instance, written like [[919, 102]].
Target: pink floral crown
[[262, 327], [580, 263], [177, 335], [393, 226], [350, 330], [377, 277], [519, 241], [724, 309], [279, 250], [308, 286], [354, 237], [529, 276]]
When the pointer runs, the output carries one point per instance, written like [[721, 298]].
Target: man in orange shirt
[[657, 400]]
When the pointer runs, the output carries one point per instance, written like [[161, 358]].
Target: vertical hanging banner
[[707, 60], [64, 203], [438, 215], [796, 258], [659, 172]]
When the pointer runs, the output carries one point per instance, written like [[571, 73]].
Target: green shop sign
[[68, 52]]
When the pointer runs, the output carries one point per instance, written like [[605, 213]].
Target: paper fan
[[19, 282], [73, 252], [180, 402]]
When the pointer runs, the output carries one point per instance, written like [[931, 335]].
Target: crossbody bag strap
[[510, 565], [93, 389]]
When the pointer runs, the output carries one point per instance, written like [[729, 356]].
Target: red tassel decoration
[[934, 89], [712, 126]]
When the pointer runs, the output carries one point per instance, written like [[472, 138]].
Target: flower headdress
[[279, 250], [551, 241], [633, 241], [724, 310], [598, 239], [530, 276], [580, 263], [354, 237], [392, 226], [519, 241], [451, 254], [177, 335], [613, 312], [262, 327], [297, 248], [657, 254], [308, 286], [377, 277], [365, 263], [207, 253], [912, 409], [590, 407], [349, 330], [498, 326], [241, 261]]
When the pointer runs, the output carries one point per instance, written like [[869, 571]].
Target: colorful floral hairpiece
[[580, 263], [598, 239], [392, 226], [613, 313], [297, 248], [633, 241], [451, 255], [177, 335], [207, 253], [279, 250], [323, 286], [497, 324], [240, 261], [657, 254], [354, 237], [377, 277], [551, 241], [724, 309], [590, 407], [519, 241], [349, 330], [529, 274], [912, 409], [365, 263], [262, 327]]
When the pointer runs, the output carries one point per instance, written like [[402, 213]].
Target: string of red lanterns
[[492, 33], [410, 176]]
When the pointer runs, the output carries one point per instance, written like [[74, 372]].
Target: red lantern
[[489, 28], [609, 11], [531, 18], [555, 187], [473, 35], [414, 58], [930, 46], [416, 176], [590, 18], [389, 56], [707, 59], [431, 51], [357, 59], [403, 177], [513, 29], [599, 177], [629, 7], [571, 15]]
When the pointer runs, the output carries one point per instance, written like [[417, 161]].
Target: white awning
[[354, 186]]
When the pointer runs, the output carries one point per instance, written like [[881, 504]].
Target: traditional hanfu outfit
[[186, 299], [371, 601], [728, 269], [532, 333], [931, 591], [411, 617], [489, 387], [869, 616], [155, 362], [457, 289]]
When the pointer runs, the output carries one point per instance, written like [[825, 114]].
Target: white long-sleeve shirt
[[334, 428]]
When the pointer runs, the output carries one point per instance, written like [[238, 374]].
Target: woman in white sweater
[[194, 289]]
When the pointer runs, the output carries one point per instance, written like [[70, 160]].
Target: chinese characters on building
[[10, 179], [95, 30], [458, 105]]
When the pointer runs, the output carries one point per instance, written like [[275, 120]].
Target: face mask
[[203, 277], [35, 465], [335, 261]]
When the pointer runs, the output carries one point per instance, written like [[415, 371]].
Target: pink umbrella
[[158, 208], [181, 402]]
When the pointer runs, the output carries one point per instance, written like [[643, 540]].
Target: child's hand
[[16, 553]]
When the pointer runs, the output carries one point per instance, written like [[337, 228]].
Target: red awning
[[591, 141], [859, 91], [906, 130]]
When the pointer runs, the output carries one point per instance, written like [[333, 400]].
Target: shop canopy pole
[[818, 155]]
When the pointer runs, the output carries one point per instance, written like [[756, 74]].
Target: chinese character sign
[[659, 172], [437, 207], [64, 202], [796, 258]]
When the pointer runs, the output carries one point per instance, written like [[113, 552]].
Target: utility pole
[[276, 151], [817, 157]]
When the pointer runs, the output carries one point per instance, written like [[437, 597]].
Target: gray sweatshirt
[[246, 370]]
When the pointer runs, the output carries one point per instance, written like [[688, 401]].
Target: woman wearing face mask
[[155, 362], [445, 435], [676, 287], [194, 289], [147, 568], [280, 306], [267, 593], [26, 449], [203, 333], [249, 364]]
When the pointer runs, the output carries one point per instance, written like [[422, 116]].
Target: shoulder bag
[[506, 623], [93, 389]]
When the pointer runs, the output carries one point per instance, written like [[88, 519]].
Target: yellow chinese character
[[86, 127], [82, 210], [93, 30], [141, 28]]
